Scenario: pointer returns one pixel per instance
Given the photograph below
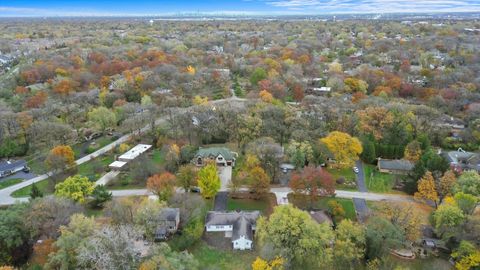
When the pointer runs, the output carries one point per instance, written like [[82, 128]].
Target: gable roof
[[213, 152], [170, 214], [242, 222], [10, 165], [395, 164]]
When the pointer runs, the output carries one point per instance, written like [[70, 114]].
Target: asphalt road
[[360, 204], [21, 175]]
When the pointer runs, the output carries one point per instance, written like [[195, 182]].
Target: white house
[[239, 226]]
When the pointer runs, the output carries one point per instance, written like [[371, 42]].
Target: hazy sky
[[274, 7]]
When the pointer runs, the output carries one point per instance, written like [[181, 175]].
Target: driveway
[[220, 203], [225, 174], [21, 175], [361, 209], [360, 177], [360, 204]]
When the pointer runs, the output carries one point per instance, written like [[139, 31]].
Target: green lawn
[[347, 174], [377, 181], [10, 182], [158, 157], [25, 192], [302, 202], [92, 169], [211, 258], [418, 264], [247, 204]]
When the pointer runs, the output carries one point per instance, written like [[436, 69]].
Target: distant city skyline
[[52, 8]]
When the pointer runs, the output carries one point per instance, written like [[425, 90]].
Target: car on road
[[356, 170]]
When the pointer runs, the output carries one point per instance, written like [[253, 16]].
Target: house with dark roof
[[461, 160], [10, 167], [220, 155], [239, 226], [395, 166], [168, 221]]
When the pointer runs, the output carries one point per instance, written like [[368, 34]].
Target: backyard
[[212, 258]]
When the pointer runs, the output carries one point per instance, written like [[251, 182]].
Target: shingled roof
[[242, 222], [213, 152], [395, 164]]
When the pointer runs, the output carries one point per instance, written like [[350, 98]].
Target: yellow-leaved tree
[[344, 148], [275, 264], [426, 189], [76, 188], [198, 100]]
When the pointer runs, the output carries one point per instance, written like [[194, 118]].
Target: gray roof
[[242, 222], [213, 152], [321, 216], [170, 214], [10, 165], [467, 160], [395, 164]]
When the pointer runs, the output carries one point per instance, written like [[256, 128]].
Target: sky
[[49, 8]]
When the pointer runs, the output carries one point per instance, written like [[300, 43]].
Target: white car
[[356, 170]]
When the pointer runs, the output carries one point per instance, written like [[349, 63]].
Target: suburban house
[[10, 167], [395, 166], [168, 222], [128, 156], [221, 155], [239, 226], [461, 160]]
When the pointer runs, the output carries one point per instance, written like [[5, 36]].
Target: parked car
[[356, 170]]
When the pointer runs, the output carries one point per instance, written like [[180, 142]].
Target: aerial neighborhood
[[265, 143]]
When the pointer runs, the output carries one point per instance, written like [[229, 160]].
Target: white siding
[[242, 243], [219, 228]]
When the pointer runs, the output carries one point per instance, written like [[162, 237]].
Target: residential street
[[6, 199]]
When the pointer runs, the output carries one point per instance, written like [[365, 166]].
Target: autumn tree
[[187, 177], [349, 246], [258, 75], [163, 257], [466, 256], [162, 185], [208, 181], [258, 181], [374, 120], [313, 181], [426, 189], [344, 148], [413, 151], [76, 188], [447, 220], [309, 245], [72, 237], [60, 158], [405, 216], [468, 182], [274, 264], [102, 118], [299, 153], [446, 184]]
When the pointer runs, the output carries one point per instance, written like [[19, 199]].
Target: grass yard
[[158, 157], [302, 202], [418, 264], [10, 182], [212, 258], [377, 181], [92, 169], [347, 174], [247, 204], [43, 186]]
